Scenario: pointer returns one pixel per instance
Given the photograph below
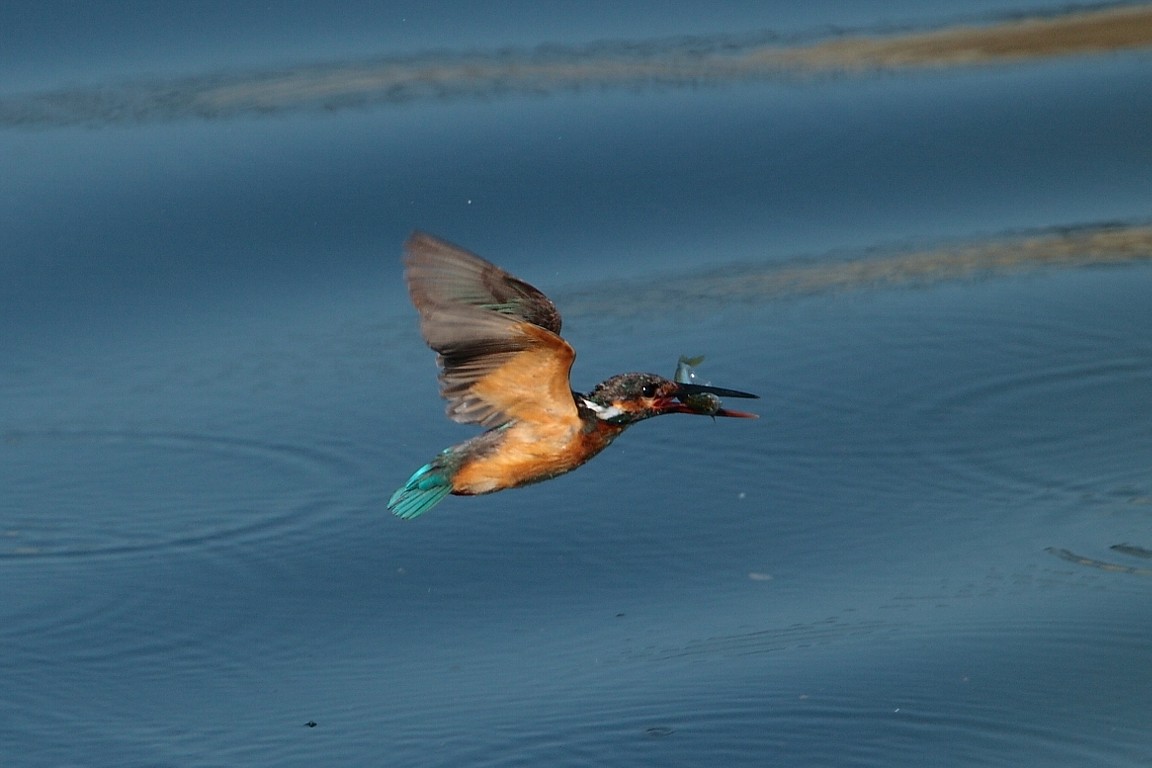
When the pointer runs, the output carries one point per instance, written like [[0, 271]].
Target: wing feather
[[500, 355], [444, 274]]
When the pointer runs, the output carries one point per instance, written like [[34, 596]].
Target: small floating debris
[[1131, 550], [1102, 565]]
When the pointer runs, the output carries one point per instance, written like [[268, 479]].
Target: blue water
[[211, 381]]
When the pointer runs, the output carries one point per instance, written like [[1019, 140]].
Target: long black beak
[[704, 400], [698, 389]]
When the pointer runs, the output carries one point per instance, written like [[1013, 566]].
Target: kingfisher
[[504, 366]]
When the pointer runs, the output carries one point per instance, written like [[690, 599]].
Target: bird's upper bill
[[704, 400]]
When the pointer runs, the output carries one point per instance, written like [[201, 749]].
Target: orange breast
[[531, 452]]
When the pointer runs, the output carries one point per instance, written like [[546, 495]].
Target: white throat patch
[[601, 412]]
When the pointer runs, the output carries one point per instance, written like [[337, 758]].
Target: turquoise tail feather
[[425, 489]]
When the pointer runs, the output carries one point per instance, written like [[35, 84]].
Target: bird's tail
[[424, 490]]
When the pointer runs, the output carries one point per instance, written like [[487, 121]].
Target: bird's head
[[631, 397]]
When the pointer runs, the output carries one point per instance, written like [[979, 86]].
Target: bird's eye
[[648, 390]]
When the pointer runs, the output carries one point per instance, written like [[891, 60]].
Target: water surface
[[931, 547]]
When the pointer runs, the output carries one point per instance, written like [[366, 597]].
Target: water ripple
[[1070, 428], [906, 700], [97, 493]]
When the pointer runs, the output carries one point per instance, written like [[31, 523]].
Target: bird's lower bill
[[702, 409]]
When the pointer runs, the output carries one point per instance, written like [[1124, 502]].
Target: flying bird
[[504, 366]]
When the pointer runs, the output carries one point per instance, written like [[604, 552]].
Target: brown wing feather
[[442, 273], [532, 385], [499, 353]]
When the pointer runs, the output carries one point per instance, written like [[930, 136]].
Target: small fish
[[704, 403]]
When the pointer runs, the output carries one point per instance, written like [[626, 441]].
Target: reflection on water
[[550, 69], [1089, 246], [1073, 33]]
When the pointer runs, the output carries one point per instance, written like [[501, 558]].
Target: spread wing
[[500, 355]]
